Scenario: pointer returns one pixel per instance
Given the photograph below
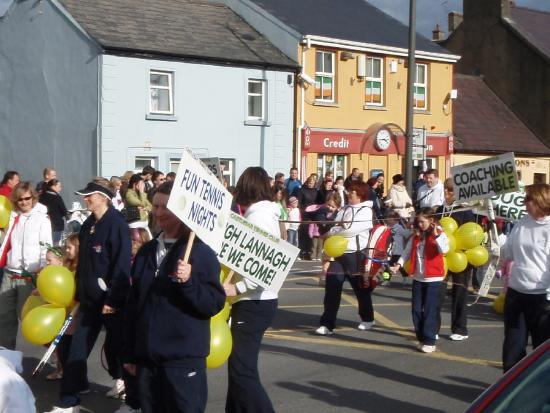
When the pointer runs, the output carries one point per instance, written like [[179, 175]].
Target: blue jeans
[[292, 236], [426, 307]]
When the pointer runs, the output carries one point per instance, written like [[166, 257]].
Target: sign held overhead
[[485, 178]]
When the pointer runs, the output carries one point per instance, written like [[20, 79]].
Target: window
[[374, 82], [256, 99], [141, 161], [421, 87], [324, 76], [174, 164], [161, 93], [333, 163]]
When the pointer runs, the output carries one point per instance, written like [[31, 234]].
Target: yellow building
[[352, 107]]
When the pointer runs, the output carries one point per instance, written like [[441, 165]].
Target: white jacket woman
[[400, 200], [29, 228]]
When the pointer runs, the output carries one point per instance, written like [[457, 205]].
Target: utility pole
[[411, 76]]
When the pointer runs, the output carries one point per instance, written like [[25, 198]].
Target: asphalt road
[[353, 371]]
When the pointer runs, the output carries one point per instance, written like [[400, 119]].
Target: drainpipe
[[302, 110]]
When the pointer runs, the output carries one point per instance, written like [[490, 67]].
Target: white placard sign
[[255, 254], [510, 206], [213, 164], [485, 178], [199, 199]]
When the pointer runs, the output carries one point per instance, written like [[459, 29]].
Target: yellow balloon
[[468, 235], [477, 256], [335, 246], [31, 302], [57, 285], [457, 261], [445, 265], [498, 304], [449, 225], [224, 313], [221, 343], [452, 243], [5, 211], [41, 324], [407, 266], [223, 273]]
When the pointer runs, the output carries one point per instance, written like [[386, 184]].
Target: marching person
[[459, 307], [57, 211], [527, 304], [358, 214], [425, 249], [168, 316], [22, 251], [254, 308], [102, 283]]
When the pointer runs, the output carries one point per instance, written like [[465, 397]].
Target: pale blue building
[[98, 87]]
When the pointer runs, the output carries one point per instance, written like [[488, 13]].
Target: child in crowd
[[54, 256], [425, 250], [327, 212], [279, 197], [69, 259], [400, 234], [140, 236], [295, 217]]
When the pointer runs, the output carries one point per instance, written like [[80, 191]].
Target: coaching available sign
[[485, 178], [199, 199], [256, 254]]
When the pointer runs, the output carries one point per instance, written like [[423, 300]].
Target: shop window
[[337, 164], [174, 164], [324, 76], [161, 93], [539, 178], [421, 87], [228, 170], [374, 81]]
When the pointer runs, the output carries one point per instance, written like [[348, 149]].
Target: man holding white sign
[[254, 307]]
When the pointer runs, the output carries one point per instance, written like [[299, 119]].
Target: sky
[[430, 12]]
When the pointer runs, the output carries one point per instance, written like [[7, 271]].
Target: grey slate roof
[[535, 25], [185, 28], [354, 20]]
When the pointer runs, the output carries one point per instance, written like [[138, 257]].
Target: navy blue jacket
[[168, 323], [105, 252]]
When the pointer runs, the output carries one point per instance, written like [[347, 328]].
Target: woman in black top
[[56, 208], [306, 196]]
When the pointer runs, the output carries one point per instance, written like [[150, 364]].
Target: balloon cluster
[[221, 342], [5, 211], [464, 245], [43, 315], [498, 304]]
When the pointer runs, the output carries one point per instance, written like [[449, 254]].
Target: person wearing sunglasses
[[527, 304], [22, 251]]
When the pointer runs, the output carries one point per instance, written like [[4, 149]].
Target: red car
[[524, 389]]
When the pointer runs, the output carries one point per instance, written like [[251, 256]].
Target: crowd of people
[[126, 252]]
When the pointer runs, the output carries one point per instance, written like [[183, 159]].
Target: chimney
[[454, 20], [437, 34]]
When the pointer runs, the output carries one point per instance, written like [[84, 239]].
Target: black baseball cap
[[93, 188]]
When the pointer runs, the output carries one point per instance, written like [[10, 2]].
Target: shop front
[[375, 150]]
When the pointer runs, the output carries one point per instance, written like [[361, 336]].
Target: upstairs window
[[324, 76], [161, 93], [421, 87], [374, 81], [256, 99]]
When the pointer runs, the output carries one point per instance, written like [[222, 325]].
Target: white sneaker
[[457, 337], [74, 409], [366, 325], [324, 331], [437, 336], [117, 391], [427, 349], [127, 409]]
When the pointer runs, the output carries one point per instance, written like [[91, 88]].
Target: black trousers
[[249, 320], [75, 369], [346, 267], [459, 304], [305, 243], [524, 315], [172, 389]]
